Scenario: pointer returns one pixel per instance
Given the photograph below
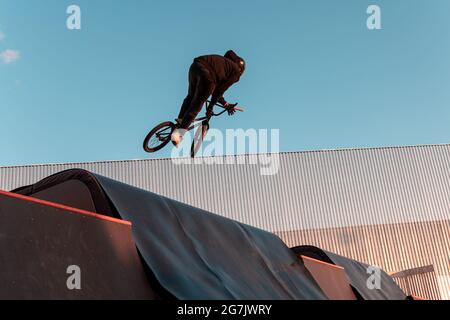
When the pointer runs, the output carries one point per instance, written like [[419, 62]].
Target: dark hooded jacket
[[224, 70]]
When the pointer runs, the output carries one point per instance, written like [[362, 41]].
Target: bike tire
[[200, 134], [165, 129]]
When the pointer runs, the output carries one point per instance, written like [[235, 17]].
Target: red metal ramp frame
[[41, 240], [332, 279]]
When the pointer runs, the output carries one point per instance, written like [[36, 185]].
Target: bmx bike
[[160, 135]]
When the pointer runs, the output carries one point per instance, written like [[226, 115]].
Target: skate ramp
[[193, 254]]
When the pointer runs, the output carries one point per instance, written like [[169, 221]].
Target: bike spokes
[[158, 137]]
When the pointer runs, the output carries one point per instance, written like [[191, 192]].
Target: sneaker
[[176, 137]]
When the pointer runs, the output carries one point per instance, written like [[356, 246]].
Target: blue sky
[[314, 71]]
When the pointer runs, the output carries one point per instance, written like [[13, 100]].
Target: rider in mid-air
[[209, 75]]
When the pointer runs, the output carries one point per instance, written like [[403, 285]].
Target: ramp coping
[[64, 207]]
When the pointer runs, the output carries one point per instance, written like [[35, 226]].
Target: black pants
[[201, 86]]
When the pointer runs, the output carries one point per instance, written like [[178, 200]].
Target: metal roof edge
[[235, 155]]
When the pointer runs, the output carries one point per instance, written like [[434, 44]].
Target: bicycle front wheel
[[158, 137], [198, 138]]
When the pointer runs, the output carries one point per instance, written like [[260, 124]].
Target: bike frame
[[199, 121], [162, 134]]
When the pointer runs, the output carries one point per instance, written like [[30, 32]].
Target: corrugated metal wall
[[320, 191], [421, 282], [393, 247]]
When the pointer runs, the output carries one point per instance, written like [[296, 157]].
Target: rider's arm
[[220, 90], [222, 101]]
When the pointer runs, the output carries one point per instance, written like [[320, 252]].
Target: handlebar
[[223, 107], [225, 110]]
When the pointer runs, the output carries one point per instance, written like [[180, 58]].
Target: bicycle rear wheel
[[198, 138], [158, 137]]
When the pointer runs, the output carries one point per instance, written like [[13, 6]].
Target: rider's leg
[[191, 92], [200, 88], [204, 89]]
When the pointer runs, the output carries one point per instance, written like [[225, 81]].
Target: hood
[[230, 54]]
